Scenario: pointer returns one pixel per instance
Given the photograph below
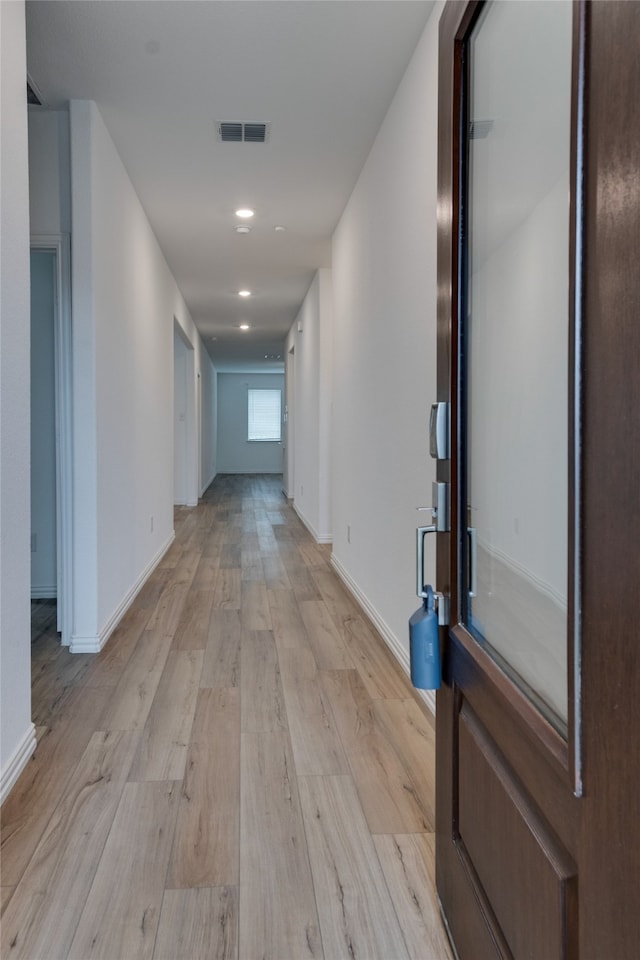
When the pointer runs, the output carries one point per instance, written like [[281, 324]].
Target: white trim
[[198, 413], [44, 593], [208, 483], [318, 537], [192, 438], [397, 649], [94, 644], [88, 644], [61, 244], [290, 422], [19, 759]]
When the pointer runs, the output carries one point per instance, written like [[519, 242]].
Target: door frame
[[60, 246], [290, 414], [198, 430], [191, 465]]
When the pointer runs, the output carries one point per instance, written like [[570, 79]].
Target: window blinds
[[265, 415]]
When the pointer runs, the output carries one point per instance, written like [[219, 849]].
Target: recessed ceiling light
[[245, 213], [244, 293], [279, 228], [244, 326], [243, 228]]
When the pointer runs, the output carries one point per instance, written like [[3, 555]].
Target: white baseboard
[[318, 537], [94, 644], [20, 758], [397, 649], [208, 483], [44, 593], [91, 643]]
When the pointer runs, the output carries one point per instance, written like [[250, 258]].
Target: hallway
[[243, 772]]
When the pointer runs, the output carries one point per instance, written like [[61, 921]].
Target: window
[[265, 417]]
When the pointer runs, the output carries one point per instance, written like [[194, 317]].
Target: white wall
[[236, 454], [384, 370], [17, 735], [311, 337], [125, 301], [43, 425]]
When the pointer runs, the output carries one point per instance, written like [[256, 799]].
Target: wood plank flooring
[[243, 773]]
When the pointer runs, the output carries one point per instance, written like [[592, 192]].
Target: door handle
[[421, 533]]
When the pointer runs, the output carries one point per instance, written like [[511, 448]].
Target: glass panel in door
[[516, 343]]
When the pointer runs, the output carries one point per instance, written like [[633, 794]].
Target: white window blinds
[[265, 415]]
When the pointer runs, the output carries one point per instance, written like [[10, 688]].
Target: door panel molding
[[533, 897], [518, 744], [522, 708]]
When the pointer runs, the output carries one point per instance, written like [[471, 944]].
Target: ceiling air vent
[[480, 129], [237, 132]]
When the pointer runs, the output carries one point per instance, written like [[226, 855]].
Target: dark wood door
[[538, 718]]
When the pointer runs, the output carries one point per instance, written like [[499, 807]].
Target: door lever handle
[[439, 506]]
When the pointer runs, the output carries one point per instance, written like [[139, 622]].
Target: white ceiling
[[322, 72]]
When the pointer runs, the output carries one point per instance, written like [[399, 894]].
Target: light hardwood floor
[[243, 773]]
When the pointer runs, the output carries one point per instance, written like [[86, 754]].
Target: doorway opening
[[185, 427], [289, 416], [50, 440]]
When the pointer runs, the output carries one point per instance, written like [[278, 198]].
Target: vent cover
[[480, 129], [237, 132]]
